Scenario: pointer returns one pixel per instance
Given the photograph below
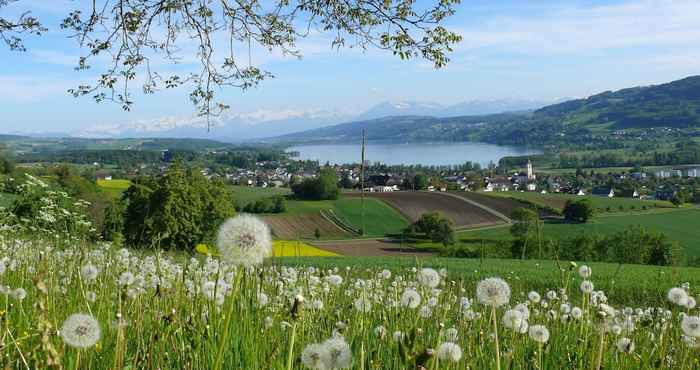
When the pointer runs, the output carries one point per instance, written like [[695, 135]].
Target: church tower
[[530, 171]]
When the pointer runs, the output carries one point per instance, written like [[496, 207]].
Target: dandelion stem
[[495, 332], [290, 353], [601, 345], [227, 322]]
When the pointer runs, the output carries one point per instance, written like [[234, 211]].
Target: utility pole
[[362, 182]]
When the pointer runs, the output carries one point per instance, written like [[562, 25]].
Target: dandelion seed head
[[587, 287], [539, 333], [80, 331], [410, 298], [493, 292], [678, 296], [585, 272], [312, 356], [449, 351], [625, 345], [244, 240], [429, 278], [691, 326], [336, 354]]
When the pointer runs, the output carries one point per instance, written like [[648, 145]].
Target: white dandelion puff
[[336, 354], [677, 296], [534, 297], [429, 277], [493, 292], [539, 333], [625, 345], [410, 298], [512, 319], [587, 287], [449, 351], [312, 356], [691, 326], [585, 271], [244, 240], [80, 331]]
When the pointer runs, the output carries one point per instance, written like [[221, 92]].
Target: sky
[[541, 50]]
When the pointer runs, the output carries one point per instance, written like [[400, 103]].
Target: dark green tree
[[580, 210], [420, 181]]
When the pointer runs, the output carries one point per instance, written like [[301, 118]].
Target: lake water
[[427, 154]]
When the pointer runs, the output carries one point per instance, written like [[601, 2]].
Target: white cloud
[[589, 30]]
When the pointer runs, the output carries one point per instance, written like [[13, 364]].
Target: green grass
[[601, 204], [380, 219], [114, 187], [681, 225], [625, 284], [247, 194]]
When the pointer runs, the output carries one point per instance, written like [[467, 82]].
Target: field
[[114, 187], [303, 226], [678, 225], [287, 248], [247, 194], [103, 308], [601, 204], [380, 219], [414, 204]]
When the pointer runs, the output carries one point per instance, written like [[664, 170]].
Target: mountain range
[[673, 105], [236, 127]]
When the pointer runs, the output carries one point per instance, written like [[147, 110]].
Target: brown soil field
[[302, 226], [371, 248], [414, 204]]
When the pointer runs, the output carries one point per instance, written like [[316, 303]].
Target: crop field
[[293, 248], [601, 204], [114, 187], [303, 226], [682, 225], [380, 219], [413, 205], [504, 205], [247, 194]]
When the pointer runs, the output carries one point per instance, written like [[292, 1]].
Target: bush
[[268, 205], [580, 210]]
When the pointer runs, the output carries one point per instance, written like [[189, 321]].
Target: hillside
[[673, 105]]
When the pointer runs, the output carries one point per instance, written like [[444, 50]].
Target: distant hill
[[675, 104], [465, 108]]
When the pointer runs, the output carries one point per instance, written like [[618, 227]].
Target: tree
[[179, 210], [580, 210], [136, 36], [435, 227], [420, 181], [322, 187], [345, 182]]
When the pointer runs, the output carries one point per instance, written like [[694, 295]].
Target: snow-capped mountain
[[227, 127], [239, 126]]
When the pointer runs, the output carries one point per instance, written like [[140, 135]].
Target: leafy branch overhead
[[133, 34]]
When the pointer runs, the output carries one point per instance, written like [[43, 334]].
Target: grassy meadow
[[679, 225], [98, 307], [601, 204], [114, 187]]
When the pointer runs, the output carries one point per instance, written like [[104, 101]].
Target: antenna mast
[[362, 182]]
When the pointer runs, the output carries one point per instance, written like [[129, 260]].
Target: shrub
[[580, 210]]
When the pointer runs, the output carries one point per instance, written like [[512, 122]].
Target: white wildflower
[[80, 331], [539, 333], [449, 351], [493, 292], [244, 240]]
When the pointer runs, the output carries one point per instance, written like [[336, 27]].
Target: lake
[[427, 154]]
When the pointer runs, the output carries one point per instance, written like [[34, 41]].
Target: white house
[[383, 189], [580, 192], [532, 187]]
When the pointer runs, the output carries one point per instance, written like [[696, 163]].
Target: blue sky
[[511, 49]]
